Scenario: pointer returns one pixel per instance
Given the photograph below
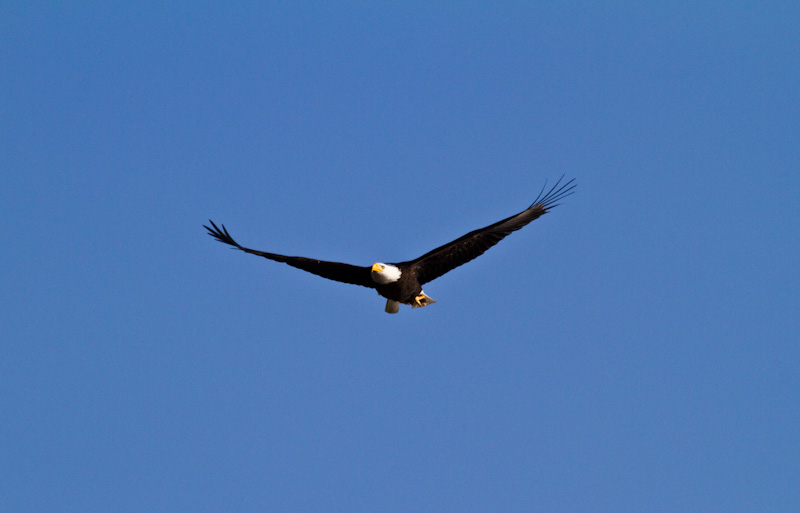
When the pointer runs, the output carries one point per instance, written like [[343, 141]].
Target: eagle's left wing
[[445, 258]]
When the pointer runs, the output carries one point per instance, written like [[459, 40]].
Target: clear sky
[[636, 349]]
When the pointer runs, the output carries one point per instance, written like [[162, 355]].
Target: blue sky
[[635, 349]]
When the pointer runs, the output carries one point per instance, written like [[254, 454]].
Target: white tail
[[392, 306]]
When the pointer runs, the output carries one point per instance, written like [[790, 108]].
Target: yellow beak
[[376, 268]]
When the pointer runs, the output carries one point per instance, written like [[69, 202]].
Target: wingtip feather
[[221, 234], [556, 193]]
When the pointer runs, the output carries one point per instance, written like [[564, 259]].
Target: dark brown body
[[403, 290]]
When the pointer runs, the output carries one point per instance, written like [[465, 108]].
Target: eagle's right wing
[[331, 270]]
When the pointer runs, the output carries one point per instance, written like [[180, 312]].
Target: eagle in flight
[[402, 282]]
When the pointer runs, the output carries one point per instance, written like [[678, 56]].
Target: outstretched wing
[[435, 263], [331, 270]]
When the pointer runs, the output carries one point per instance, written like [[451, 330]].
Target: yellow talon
[[421, 300]]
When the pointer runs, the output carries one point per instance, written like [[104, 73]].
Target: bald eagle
[[402, 282]]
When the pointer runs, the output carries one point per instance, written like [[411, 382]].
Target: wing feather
[[337, 271], [445, 258]]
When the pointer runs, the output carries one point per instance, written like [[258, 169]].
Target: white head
[[385, 273]]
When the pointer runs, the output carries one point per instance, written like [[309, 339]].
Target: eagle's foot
[[421, 300]]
